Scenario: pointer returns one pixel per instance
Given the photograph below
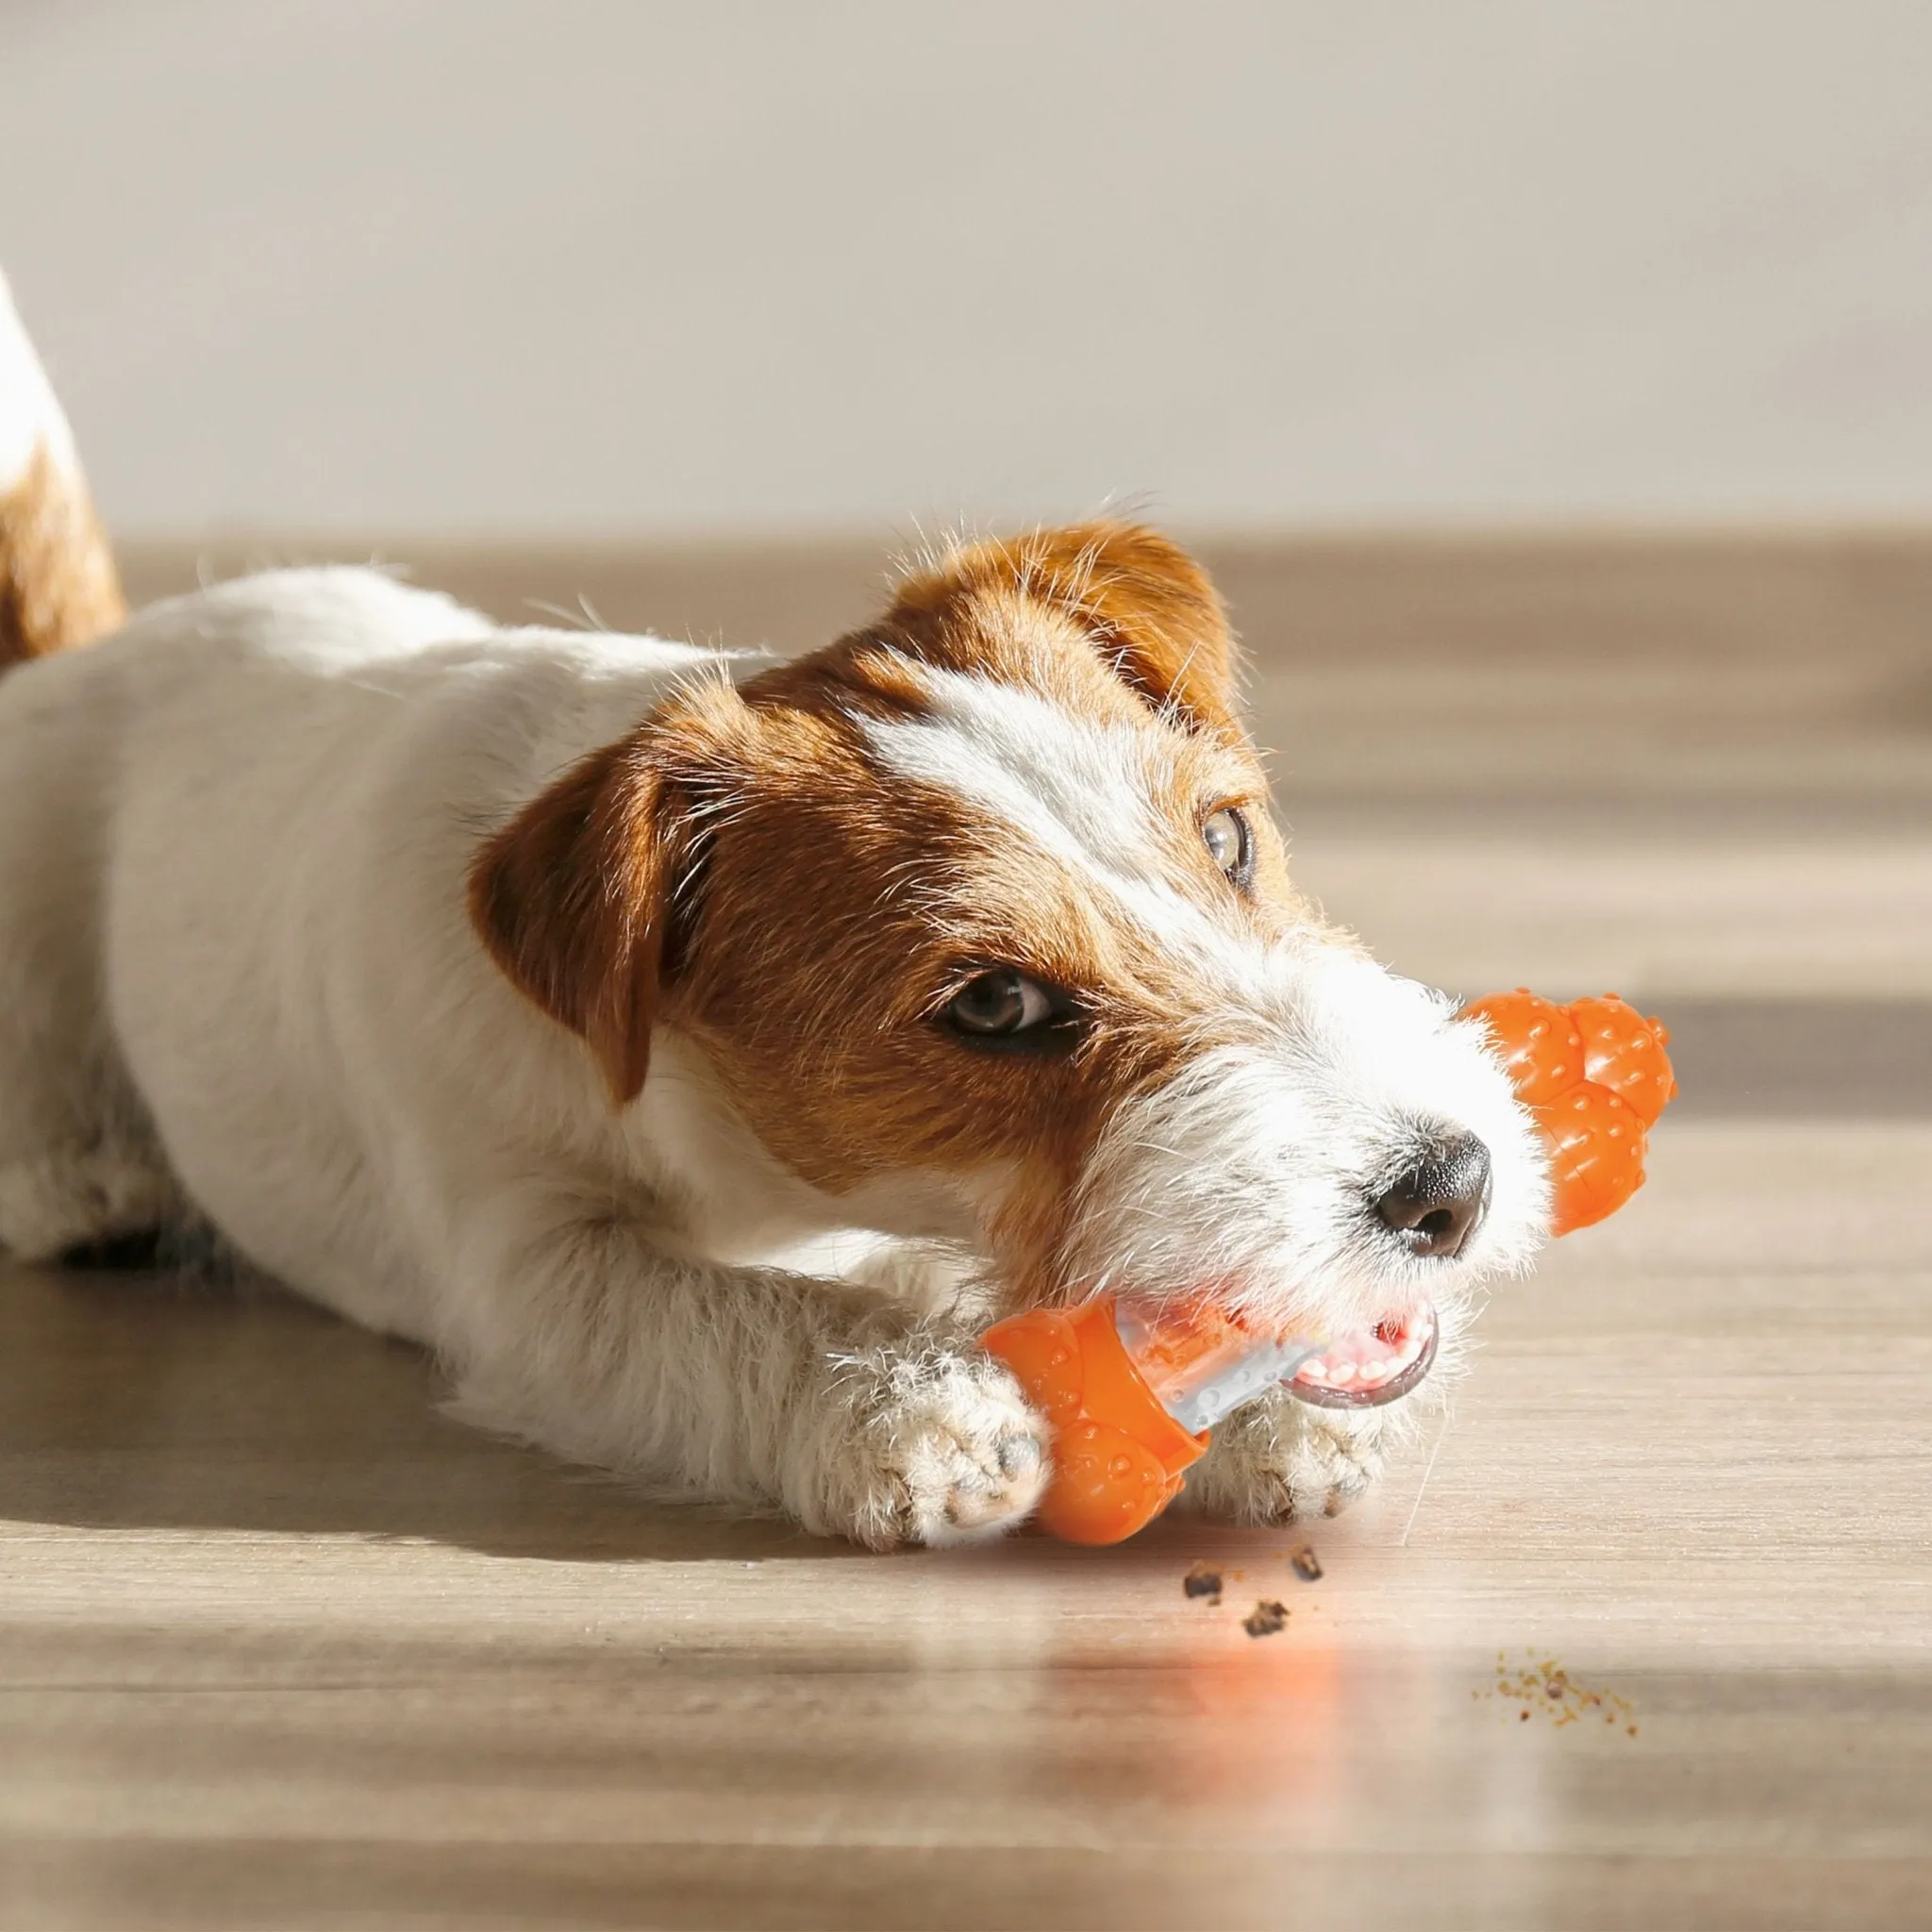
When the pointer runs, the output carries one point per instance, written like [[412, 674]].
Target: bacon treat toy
[[1133, 1387]]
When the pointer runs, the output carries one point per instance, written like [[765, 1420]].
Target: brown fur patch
[[839, 904], [1148, 608], [59, 587], [1047, 612]]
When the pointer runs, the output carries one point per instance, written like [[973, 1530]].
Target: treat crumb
[[1203, 1579], [1307, 1566], [1265, 1619], [1543, 1683]]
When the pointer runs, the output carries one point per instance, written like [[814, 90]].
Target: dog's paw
[[1280, 1460], [939, 1449]]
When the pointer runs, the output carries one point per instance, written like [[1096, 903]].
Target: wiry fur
[[567, 1003], [1254, 1166]]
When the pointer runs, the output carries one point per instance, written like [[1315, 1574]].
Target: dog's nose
[[1436, 1205]]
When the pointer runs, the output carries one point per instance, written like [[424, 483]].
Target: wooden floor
[[280, 1647]]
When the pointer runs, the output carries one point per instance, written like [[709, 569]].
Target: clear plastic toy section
[[1201, 1366]]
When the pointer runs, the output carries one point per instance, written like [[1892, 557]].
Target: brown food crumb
[[1203, 1579], [1307, 1566], [1265, 1619], [1543, 1683]]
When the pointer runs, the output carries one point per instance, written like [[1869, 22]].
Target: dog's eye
[[1003, 1005], [1229, 843]]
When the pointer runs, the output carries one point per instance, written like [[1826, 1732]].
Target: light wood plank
[[280, 1645]]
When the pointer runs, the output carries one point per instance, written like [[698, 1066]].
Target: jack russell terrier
[[698, 1053]]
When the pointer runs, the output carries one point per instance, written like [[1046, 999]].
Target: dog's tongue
[[1369, 1365]]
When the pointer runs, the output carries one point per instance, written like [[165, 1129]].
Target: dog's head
[[979, 921]]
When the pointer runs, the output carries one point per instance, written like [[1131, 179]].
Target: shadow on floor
[[144, 1401]]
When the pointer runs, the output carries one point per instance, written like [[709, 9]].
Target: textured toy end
[[1596, 1076], [1118, 1456]]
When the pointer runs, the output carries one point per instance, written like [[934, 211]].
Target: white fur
[[238, 981], [1254, 1169], [1081, 790]]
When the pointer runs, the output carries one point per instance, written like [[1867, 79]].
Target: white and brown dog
[[697, 1054]]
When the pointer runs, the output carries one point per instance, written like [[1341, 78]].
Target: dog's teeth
[[1341, 1371], [1315, 1370]]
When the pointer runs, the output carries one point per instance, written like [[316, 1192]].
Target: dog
[[697, 1052]]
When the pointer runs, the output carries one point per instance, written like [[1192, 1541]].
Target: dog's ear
[[1149, 607], [1137, 600], [572, 898], [1135, 597]]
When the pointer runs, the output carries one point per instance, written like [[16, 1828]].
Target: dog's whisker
[[1429, 1470]]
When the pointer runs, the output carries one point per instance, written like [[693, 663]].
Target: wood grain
[[281, 1647]]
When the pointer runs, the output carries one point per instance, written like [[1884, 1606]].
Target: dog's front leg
[[1280, 1460], [748, 1386]]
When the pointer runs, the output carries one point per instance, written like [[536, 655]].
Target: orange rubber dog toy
[[1118, 1456], [1133, 1388], [1596, 1075]]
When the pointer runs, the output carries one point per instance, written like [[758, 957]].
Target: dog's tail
[[57, 583]]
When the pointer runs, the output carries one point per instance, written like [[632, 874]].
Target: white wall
[[467, 265]]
